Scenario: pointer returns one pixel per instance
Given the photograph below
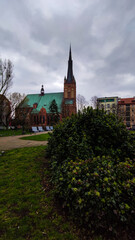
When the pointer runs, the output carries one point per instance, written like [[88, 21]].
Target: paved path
[[11, 142]]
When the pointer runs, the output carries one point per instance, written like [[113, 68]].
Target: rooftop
[[126, 100], [43, 101]]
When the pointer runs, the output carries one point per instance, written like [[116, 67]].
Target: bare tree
[[6, 76], [15, 99], [8, 105], [94, 102], [22, 115], [81, 102], [5, 110]]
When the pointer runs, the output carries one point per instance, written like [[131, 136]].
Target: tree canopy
[[91, 133], [53, 107], [54, 118]]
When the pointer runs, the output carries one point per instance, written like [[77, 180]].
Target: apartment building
[[109, 104], [126, 110]]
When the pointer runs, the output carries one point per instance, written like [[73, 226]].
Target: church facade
[[35, 110]]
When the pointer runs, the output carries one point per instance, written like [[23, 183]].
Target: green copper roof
[[43, 101]]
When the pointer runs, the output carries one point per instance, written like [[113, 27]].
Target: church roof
[[43, 101]]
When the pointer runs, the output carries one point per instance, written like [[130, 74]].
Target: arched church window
[[34, 119], [43, 119], [40, 119], [48, 120], [72, 93], [66, 93], [69, 95]]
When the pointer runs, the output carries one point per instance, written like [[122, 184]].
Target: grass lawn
[[42, 137], [26, 202], [9, 132]]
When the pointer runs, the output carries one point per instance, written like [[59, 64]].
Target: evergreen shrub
[[89, 134], [93, 169]]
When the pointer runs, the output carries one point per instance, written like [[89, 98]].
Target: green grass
[[9, 132], [26, 202], [42, 137]]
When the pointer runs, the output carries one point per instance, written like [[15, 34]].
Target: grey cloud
[[102, 37], [8, 39]]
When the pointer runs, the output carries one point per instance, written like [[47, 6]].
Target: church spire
[[70, 54], [70, 76]]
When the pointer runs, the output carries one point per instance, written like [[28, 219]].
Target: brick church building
[[35, 109]]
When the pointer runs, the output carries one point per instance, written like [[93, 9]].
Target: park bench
[[34, 129], [40, 129]]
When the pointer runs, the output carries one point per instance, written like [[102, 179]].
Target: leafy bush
[[99, 191], [93, 171], [91, 133]]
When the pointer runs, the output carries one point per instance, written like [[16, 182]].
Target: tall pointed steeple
[[70, 54], [69, 101], [70, 77]]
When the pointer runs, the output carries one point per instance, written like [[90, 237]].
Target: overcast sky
[[36, 34]]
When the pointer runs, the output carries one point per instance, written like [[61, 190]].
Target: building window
[[35, 105], [101, 100], [43, 119], [128, 114], [65, 92], [48, 120], [128, 124], [108, 105], [34, 119], [72, 93], [69, 95], [127, 119], [40, 119], [110, 100], [128, 107]]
